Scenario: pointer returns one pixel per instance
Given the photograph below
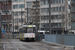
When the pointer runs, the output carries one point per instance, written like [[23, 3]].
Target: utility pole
[[13, 25], [49, 16], [27, 15], [21, 18], [36, 20]]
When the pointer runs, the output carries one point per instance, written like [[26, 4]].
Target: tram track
[[9, 46], [16, 44], [50, 46]]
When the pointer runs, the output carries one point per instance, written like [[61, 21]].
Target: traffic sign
[[3, 31]]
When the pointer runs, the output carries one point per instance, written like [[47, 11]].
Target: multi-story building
[[32, 18], [73, 16], [0, 21], [6, 17], [59, 16], [18, 10]]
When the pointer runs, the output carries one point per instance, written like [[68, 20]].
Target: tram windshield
[[29, 30]]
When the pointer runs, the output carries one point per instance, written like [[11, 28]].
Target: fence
[[61, 39]]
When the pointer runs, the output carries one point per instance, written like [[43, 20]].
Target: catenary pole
[[36, 20], [13, 25], [49, 16]]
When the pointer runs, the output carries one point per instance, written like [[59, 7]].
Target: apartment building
[[18, 10], [73, 16], [32, 18], [6, 17], [59, 16]]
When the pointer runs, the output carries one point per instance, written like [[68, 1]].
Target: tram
[[27, 32]]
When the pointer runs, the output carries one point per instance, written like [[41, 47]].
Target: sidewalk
[[55, 44]]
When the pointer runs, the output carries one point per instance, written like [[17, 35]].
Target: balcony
[[5, 10]]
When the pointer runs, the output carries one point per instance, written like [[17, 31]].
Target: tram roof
[[27, 26]]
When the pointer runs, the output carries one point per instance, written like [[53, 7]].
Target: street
[[12, 44]]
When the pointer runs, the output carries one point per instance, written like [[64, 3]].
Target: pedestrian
[[39, 38]]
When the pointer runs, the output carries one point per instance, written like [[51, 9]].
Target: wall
[[61, 39]]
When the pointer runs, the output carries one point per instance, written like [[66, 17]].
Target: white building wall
[[18, 10]]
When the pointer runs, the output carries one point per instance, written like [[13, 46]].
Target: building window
[[44, 10], [10, 7], [21, 6], [56, 25], [68, 6], [57, 9], [14, 0], [16, 27], [15, 6], [21, 0], [44, 2], [57, 1], [16, 14], [44, 25], [2, 7], [29, 4], [2, 17], [56, 17], [7, 7], [73, 25]]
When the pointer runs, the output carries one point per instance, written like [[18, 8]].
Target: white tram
[[27, 32]]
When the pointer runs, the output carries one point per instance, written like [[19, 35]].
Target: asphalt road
[[23, 45]]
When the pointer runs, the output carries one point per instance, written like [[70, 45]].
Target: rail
[[4, 46]]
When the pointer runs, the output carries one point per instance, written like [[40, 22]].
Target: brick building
[[6, 16]]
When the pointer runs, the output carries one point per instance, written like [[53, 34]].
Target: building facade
[[59, 16], [73, 16], [18, 10], [33, 17], [22, 11], [6, 16]]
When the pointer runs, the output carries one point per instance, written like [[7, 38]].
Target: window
[[56, 17], [56, 25], [68, 6], [21, 6], [10, 7], [15, 6], [14, 0], [44, 10], [29, 4], [7, 7], [16, 27], [2, 7], [29, 30], [15, 13], [21, 0], [73, 25]]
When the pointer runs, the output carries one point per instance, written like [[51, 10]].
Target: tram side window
[[24, 30], [19, 30]]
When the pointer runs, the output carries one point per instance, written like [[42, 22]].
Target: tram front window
[[29, 30]]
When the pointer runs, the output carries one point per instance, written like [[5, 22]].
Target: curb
[[55, 44]]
